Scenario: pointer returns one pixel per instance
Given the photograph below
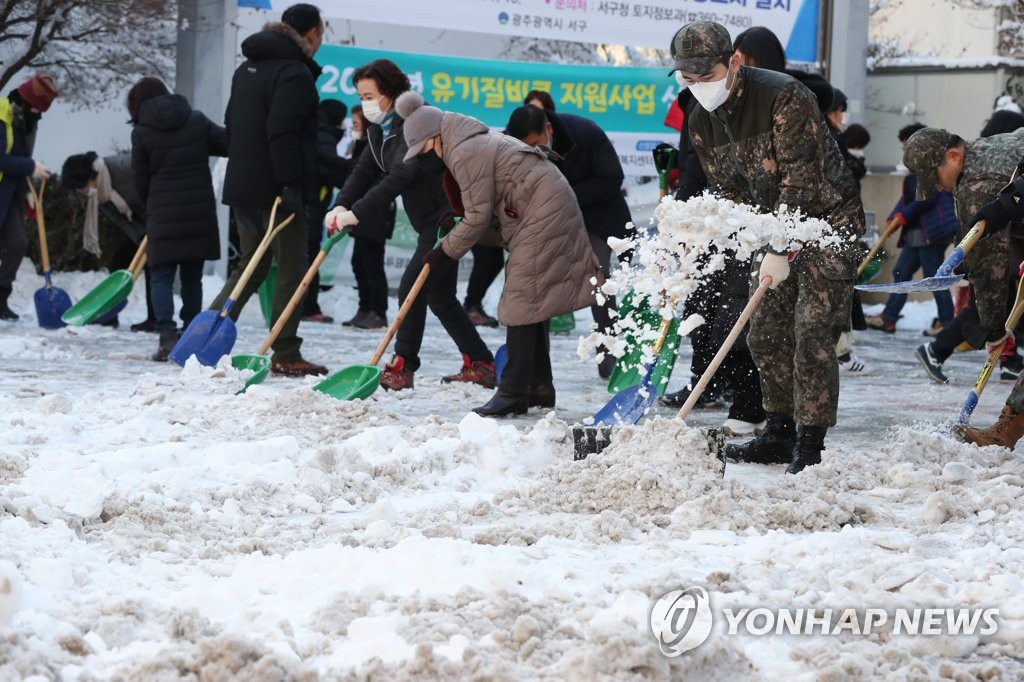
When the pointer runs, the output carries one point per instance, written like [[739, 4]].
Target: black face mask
[[430, 163]]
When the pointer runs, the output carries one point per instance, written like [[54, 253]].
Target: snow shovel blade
[[936, 283], [356, 382], [629, 404], [500, 360], [259, 365], [103, 298], [871, 271], [51, 304], [626, 373], [209, 336]]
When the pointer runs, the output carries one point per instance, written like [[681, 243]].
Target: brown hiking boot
[[1006, 431], [395, 376], [296, 368], [474, 372]]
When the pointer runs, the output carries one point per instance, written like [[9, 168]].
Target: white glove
[[40, 171], [775, 266], [339, 218]]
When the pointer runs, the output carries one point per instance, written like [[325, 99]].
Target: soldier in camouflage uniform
[[976, 172], [762, 140]]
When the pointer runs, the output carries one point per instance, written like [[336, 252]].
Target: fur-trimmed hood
[[278, 40]]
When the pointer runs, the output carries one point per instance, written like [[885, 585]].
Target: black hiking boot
[[810, 441], [775, 446], [8, 314], [168, 338], [541, 395]]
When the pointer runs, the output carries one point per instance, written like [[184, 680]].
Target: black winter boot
[[504, 403], [810, 441], [775, 446], [167, 340], [542, 395], [6, 313]]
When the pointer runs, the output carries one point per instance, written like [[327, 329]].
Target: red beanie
[[39, 91]]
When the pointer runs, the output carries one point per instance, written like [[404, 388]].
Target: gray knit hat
[[422, 122]]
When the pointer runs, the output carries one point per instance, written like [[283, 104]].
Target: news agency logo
[[682, 620]]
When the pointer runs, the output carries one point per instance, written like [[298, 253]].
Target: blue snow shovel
[[630, 404], [944, 277], [211, 335], [500, 360], [50, 301], [993, 357]]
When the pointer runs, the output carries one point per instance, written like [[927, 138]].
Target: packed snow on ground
[[154, 525]]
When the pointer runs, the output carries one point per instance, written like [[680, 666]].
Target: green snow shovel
[[358, 382], [664, 158], [628, 370], [259, 363], [109, 293], [871, 265]]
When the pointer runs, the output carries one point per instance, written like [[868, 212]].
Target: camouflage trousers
[[793, 337]]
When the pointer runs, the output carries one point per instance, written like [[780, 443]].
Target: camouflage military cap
[[924, 152], [698, 46]]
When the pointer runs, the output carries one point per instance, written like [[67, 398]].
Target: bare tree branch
[[98, 47]]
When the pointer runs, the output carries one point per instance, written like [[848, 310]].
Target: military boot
[[810, 441], [1006, 431], [774, 446]]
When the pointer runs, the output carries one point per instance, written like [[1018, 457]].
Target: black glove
[[437, 259], [1007, 207], [995, 216], [291, 200]]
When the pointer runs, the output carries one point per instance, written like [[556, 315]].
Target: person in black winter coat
[[333, 170], [588, 160], [171, 149], [380, 175], [271, 123]]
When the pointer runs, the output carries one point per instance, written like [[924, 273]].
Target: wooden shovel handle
[[299, 294], [716, 362], [257, 255], [139, 259], [410, 298], [889, 229], [44, 249]]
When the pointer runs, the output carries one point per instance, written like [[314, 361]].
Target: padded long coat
[[551, 268]]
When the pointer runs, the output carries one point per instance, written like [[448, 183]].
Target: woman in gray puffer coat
[[551, 268]]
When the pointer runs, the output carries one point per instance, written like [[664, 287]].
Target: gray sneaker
[[931, 365], [371, 320]]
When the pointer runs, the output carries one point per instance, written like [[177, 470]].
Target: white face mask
[[372, 112], [710, 95], [845, 121]]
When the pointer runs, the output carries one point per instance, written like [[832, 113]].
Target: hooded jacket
[[551, 268], [271, 120], [171, 149]]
